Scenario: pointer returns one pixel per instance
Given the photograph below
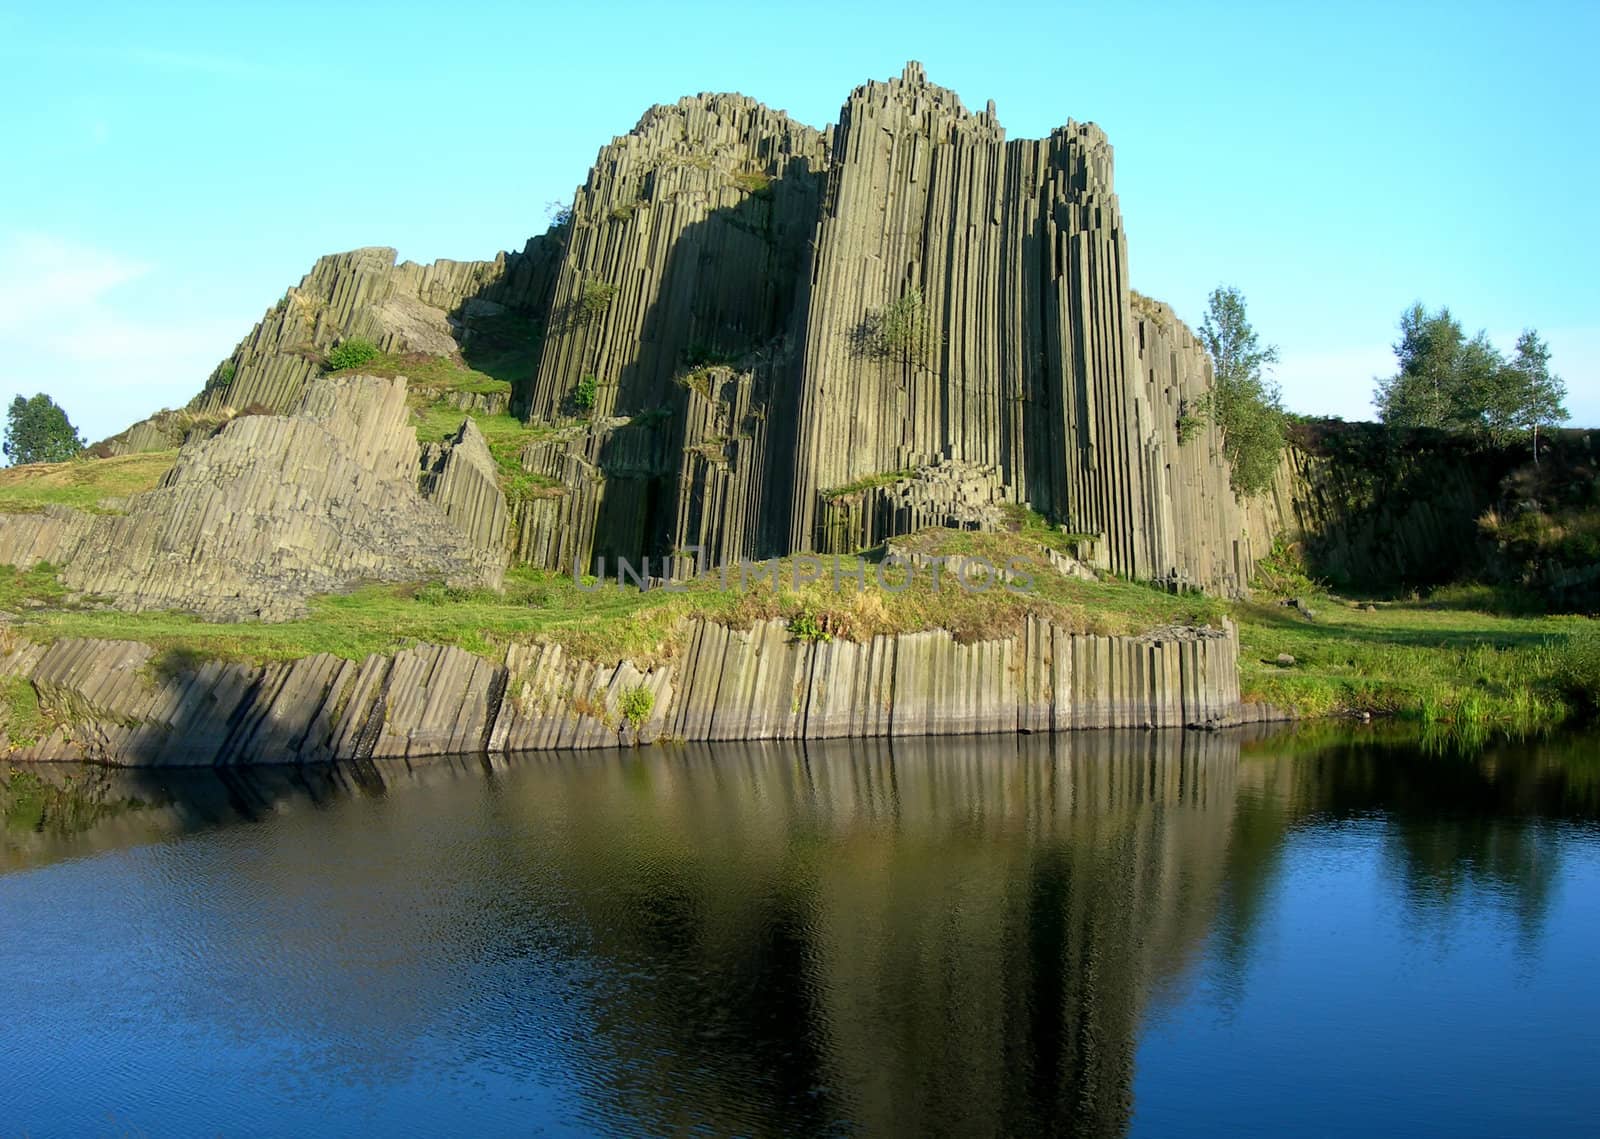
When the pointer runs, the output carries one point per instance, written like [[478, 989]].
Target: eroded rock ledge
[[117, 702], [273, 509]]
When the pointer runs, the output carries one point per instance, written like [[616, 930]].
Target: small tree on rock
[[38, 431], [1243, 401], [901, 330]]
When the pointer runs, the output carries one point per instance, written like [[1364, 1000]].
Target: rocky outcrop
[[1371, 508], [949, 494], [273, 509], [759, 338], [122, 702], [439, 309], [461, 477], [903, 296]]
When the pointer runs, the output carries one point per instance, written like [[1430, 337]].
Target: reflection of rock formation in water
[[973, 953], [957, 936]]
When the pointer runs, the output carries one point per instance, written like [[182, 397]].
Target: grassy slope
[[1448, 661], [436, 374], [81, 483], [607, 623]]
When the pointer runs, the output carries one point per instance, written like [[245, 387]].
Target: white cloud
[[68, 327]]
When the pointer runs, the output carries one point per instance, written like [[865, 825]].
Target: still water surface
[[1097, 934]]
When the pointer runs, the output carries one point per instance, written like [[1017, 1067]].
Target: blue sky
[[168, 170]]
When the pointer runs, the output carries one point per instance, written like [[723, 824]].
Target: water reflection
[[946, 937]]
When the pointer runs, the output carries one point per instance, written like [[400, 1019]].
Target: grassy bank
[[609, 622], [1451, 662], [1458, 663], [85, 484]]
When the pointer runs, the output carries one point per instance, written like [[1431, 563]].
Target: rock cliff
[[906, 295], [120, 702], [761, 338], [273, 509], [747, 335], [1371, 508]]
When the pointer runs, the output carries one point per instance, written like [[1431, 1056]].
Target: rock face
[[119, 702], [460, 476], [272, 509], [906, 306], [1374, 509], [431, 309], [907, 294]]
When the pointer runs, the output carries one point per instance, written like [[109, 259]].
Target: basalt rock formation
[[757, 338], [119, 702], [815, 316], [747, 336], [273, 509]]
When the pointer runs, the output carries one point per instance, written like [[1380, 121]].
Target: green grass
[[30, 588], [1032, 525], [756, 183], [19, 712], [81, 483], [609, 622], [431, 376], [1450, 666], [506, 436], [523, 485], [887, 478]]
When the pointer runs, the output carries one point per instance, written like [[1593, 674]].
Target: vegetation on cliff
[[1383, 511], [1243, 401]]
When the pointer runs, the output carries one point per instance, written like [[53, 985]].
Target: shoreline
[[104, 701]]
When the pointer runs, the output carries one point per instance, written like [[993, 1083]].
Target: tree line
[[1446, 380], [1454, 383]]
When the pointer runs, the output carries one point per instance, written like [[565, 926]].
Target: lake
[[1325, 930]]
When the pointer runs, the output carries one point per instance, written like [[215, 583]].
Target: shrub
[[756, 183], [352, 354], [1282, 572], [583, 395], [636, 705], [901, 330], [806, 625], [1576, 667], [592, 300]]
